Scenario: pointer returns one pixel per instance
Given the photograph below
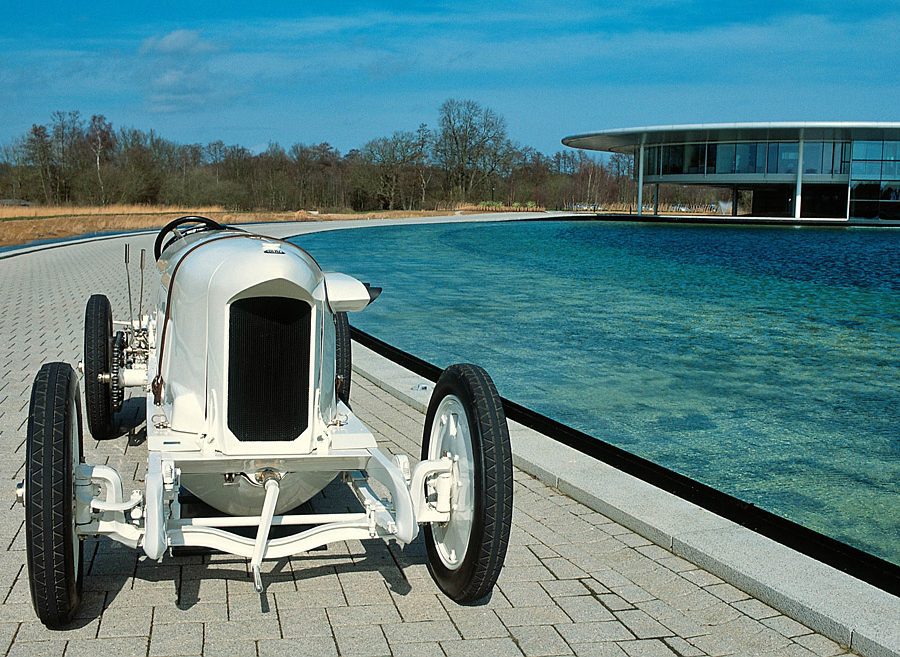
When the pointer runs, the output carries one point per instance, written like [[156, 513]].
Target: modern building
[[804, 170]]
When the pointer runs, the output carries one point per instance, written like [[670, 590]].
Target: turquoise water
[[763, 361]]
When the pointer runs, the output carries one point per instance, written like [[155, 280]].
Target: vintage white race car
[[246, 366]]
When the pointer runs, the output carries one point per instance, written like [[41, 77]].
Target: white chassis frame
[[151, 519]]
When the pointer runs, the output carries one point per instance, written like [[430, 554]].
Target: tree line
[[467, 158]]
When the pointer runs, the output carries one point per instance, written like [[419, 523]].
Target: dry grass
[[80, 221], [40, 211]]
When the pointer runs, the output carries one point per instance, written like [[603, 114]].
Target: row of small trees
[[467, 158]]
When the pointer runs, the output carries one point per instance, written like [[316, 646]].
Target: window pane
[[725, 158], [772, 162], [865, 191], [812, 157], [828, 157], [845, 157], [891, 150], [890, 170], [711, 154], [673, 160], [864, 209], [890, 190], [694, 154], [747, 159], [889, 210], [863, 170], [787, 157], [867, 150], [651, 161]]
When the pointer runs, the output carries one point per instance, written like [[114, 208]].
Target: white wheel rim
[[451, 433], [76, 461]]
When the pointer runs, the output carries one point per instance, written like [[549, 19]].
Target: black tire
[[474, 577], [98, 335], [53, 445], [343, 359]]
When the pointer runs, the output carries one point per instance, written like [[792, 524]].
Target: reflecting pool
[[763, 361]]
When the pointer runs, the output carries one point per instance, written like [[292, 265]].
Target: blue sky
[[346, 72]]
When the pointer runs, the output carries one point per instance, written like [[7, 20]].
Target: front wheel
[[52, 452], [465, 420]]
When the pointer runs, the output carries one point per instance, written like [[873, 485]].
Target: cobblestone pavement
[[574, 582]]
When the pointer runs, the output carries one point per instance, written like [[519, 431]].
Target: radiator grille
[[268, 368]]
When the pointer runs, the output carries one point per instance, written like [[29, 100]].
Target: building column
[[798, 197], [656, 200], [640, 189], [734, 201]]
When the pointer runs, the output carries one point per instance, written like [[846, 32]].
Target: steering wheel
[[204, 223]]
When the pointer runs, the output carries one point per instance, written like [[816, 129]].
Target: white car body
[[197, 437]]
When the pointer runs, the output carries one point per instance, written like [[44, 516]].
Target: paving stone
[[646, 648], [37, 649], [614, 602], [563, 569], [641, 625], [199, 613], [820, 645], [482, 648], [425, 607], [478, 624], [526, 594], [304, 623], [308, 647], [565, 588], [125, 622], [417, 650], [682, 647], [786, 626], [594, 631], [361, 641], [363, 615], [727, 592], [419, 632], [532, 616], [540, 641], [118, 646], [243, 630], [607, 649], [584, 608], [176, 639], [35, 631], [701, 577], [231, 647], [755, 609]]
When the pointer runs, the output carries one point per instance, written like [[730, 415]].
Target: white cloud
[[179, 42]]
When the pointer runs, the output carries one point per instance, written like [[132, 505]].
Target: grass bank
[[20, 225]]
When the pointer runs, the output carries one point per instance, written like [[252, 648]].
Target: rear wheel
[[465, 420], [343, 359], [98, 359], [52, 452]]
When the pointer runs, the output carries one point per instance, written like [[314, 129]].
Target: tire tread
[[55, 585], [497, 493]]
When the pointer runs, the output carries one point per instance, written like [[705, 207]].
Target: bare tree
[[102, 140], [471, 145]]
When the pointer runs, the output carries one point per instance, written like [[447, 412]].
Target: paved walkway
[[574, 582]]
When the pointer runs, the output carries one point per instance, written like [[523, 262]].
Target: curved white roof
[[627, 139]]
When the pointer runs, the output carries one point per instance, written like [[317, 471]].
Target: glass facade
[[875, 180], [704, 159]]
